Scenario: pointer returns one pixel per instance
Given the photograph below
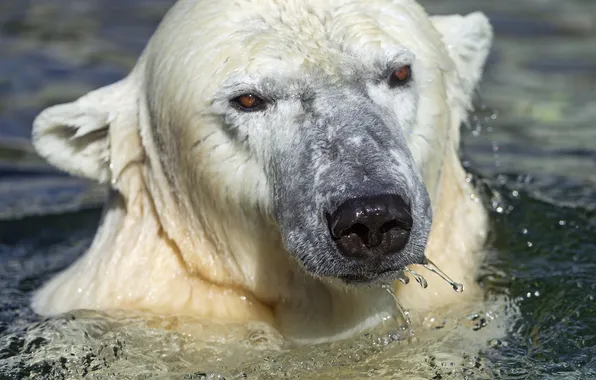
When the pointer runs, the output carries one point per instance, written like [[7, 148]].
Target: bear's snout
[[371, 227]]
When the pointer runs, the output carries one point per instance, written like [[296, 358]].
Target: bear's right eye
[[249, 103], [400, 77]]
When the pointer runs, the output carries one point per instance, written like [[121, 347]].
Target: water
[[404, 313], [428, 264], [531, 147], [418, 277]]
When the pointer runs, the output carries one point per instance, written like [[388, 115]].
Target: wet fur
[[220, 214]]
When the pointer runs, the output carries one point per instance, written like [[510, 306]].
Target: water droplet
[[418, 277], [401, 276], [562, 222], [435, 269], [530, 244]]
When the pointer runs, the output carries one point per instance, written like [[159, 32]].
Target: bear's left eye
[[248, 103]]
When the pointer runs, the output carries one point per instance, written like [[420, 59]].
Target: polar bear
[[278, 161]]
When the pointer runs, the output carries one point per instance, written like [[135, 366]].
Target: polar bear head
[[320, 124]]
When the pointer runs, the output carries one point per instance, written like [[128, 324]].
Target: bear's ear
[[468, 40], [75, 136]]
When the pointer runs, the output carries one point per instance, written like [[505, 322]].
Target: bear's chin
[[350, 278], [372, 279]]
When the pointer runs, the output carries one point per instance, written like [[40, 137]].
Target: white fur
[[191, 233]]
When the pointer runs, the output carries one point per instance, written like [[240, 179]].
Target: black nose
[[371, 226]]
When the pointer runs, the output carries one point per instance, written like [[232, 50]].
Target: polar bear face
[[340, 179], [326, 122]]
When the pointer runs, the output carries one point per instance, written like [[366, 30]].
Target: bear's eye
[[400, 76], [248, 103]]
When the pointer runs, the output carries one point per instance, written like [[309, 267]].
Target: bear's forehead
[[325, 35], [320, 33], [205, 42]]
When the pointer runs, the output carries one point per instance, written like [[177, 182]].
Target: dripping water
[[400, 308], [418, 277], [401, 276], [428, 264]]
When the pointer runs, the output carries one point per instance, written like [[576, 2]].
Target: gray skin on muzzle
[[344, 146]]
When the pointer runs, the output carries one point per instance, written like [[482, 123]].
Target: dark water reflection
[[533, 145]]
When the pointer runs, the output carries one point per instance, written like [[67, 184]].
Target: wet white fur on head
[[75, 136]]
